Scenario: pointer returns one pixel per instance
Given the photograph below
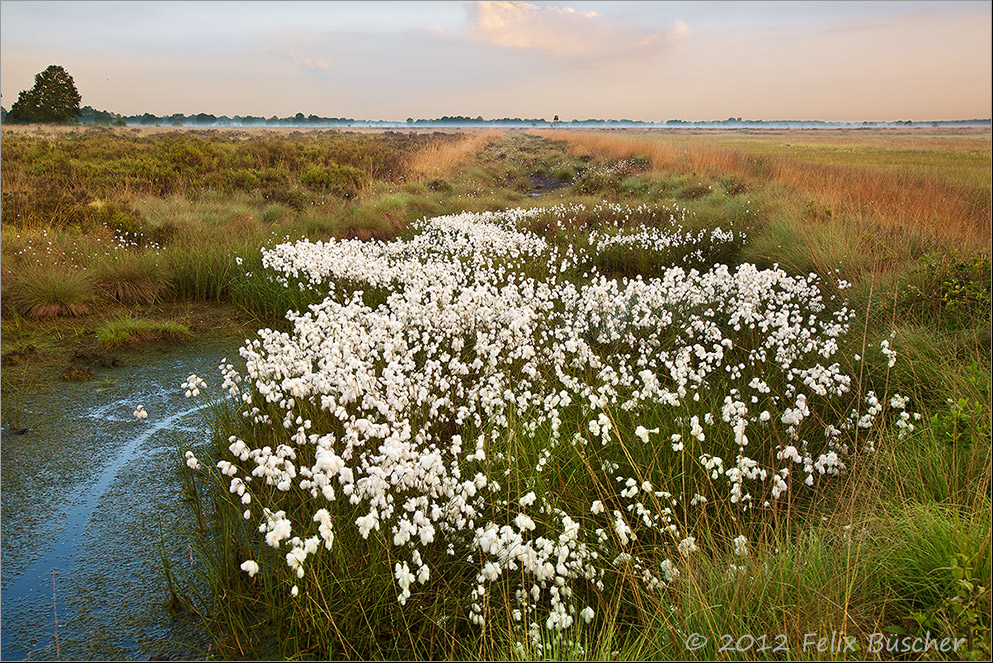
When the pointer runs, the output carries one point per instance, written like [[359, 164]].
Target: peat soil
[[543, 185]]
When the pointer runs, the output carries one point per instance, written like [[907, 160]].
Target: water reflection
[[85, 493]]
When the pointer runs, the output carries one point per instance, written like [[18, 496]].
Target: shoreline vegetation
[[725, 383]]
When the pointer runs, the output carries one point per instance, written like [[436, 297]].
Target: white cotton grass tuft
[[396, 414], [193, 384]]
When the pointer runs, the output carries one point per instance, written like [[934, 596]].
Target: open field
[[935, 180], [562, 394]]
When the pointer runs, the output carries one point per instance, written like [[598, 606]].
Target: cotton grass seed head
[[480, 340]]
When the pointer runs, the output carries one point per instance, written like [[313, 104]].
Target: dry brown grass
[[956, 212], [441, 159]]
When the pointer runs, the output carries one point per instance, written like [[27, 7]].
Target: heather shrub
[[335, 179]]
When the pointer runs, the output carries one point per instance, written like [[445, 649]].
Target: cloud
[[320, 64], [567, 33]]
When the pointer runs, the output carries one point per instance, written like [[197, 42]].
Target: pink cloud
[[320, 64], [564, 32]]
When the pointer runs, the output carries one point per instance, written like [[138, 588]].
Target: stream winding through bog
[[90, 499]]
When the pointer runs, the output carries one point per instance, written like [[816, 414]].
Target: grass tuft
[[51, 292], [441, 159], [132, 278], [126, 330]]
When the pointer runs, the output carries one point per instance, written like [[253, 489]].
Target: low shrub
[[285, 195], [45, 205], [335, 179], [733, 185], [953, 288]]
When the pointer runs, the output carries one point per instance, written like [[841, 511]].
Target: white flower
[[524, 523], [468, 341], [669, 571], [404, 578], [687, 546], [192, 385], [741, 546], [621, 528], [250, 567], [884, 346]]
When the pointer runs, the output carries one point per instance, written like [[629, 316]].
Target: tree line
[[54, 99]]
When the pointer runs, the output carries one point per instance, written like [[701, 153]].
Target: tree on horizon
[[53, 99]]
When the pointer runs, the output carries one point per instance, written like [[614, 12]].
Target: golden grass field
[[935, 180]]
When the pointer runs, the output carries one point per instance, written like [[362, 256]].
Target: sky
[[651, 61]]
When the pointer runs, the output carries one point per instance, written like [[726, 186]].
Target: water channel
[[90, 499]]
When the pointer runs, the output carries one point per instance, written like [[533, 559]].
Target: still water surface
[[85, 494]]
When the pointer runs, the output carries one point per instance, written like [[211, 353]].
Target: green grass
[[127, 330], [40, 292]]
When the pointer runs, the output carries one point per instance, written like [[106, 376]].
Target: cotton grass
[[694, 393]]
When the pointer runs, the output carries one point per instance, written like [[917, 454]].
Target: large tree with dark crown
[[53, 99]]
